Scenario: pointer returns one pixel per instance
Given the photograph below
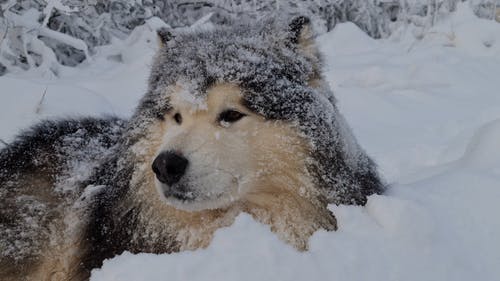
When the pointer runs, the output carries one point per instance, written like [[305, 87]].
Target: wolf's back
[[40, 172]]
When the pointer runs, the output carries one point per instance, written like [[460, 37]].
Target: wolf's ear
[[164, 35], [300, 30], [302, 35]]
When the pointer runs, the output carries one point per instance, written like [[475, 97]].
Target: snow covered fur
[[236, 119]]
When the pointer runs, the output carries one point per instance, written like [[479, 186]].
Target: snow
[[427, 110]]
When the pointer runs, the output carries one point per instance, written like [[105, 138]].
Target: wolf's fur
[[39, 185], [283, 162]]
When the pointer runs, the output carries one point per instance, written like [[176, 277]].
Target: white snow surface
[[427, 110]]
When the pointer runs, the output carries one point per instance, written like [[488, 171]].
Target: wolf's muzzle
[[169, 167]]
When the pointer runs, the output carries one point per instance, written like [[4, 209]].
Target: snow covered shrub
[[486, 8], [28, 42], [66, 32], [48, 33]]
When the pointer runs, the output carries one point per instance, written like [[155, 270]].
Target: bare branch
[[40, 103]]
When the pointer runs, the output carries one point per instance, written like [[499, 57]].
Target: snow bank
[[414, 103], [426, 109], [443, 228], [25, 102]]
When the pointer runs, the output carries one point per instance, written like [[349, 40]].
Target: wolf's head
[[240, 113], [221, 152]]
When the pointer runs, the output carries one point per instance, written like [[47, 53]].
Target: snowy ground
[[427, 111]]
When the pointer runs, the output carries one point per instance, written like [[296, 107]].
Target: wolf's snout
[[169, 167]]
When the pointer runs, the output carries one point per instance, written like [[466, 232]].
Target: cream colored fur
[[254, 165]]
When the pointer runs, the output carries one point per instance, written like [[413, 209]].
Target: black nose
[[169, 167]]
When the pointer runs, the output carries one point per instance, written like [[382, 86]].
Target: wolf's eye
[[230, 116], [178, 118]]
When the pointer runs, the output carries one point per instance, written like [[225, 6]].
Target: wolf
[[235, 119]]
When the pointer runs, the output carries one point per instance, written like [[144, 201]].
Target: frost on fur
[[34, 159], [268, 61]]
